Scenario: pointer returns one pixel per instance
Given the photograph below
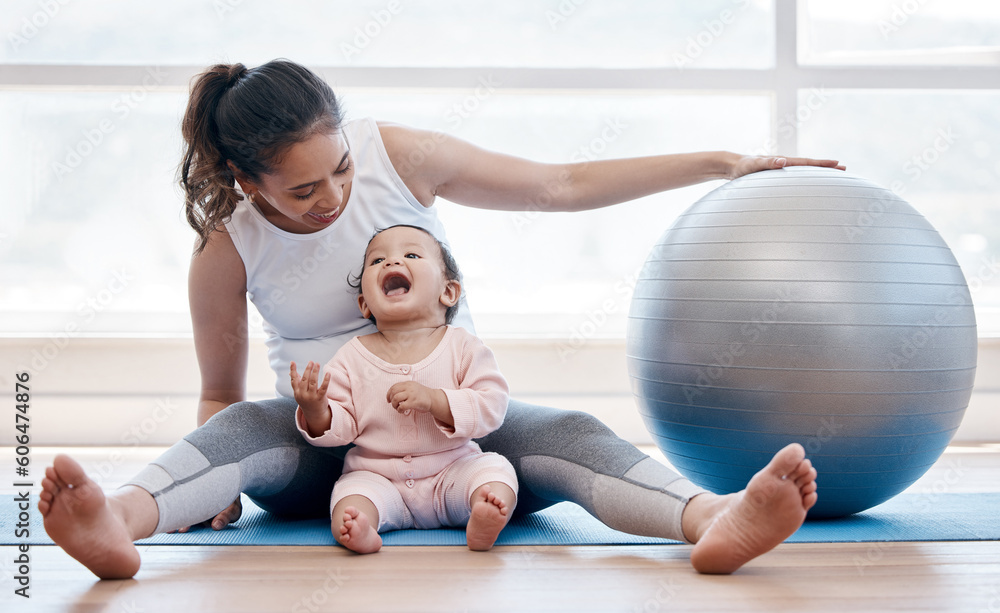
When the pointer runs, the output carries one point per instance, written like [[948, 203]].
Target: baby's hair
[[451, 271]]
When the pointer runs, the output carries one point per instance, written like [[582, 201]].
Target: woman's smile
[[324, 219]]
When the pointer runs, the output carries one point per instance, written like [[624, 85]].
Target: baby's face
[[403, 279]]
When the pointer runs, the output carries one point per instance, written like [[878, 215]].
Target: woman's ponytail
[[209, 186]]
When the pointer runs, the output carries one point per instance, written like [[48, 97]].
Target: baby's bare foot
[[80, 519], [756, 520], [357, 533], [489, 516]]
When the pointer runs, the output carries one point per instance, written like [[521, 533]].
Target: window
[[900, 33], [92, 237]]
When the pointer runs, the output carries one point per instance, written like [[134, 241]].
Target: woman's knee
[[573, 436], [251, 415], [244, 428], [547, 421], [579, 423]]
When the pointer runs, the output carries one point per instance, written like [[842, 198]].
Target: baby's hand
[[310, 396], [410, 396]]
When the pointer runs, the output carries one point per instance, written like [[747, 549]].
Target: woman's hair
[[249, 117], [451, 271]]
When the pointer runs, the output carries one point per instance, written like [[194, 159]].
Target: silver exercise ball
[[803, 305]]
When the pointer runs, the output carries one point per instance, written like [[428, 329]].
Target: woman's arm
[[217, 294], [435, 164]]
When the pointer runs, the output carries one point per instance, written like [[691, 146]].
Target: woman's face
[[309, 186]]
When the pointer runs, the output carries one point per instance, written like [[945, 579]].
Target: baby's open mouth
[[395, 285]]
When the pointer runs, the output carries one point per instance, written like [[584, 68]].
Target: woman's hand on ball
[[756, 163]]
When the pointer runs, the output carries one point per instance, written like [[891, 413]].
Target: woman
[[316, 189]]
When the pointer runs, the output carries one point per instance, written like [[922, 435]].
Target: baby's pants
[[431, 502]]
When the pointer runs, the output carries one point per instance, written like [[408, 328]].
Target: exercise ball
[[803, 305]]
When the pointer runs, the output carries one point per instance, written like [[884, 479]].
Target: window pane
[[939, 151], [554, 273], [900, 32], [95, 240], [517, 33]]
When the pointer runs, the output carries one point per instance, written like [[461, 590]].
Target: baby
[[411, 397]]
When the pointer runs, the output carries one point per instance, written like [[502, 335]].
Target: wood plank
[[855, 577], [815, 577]]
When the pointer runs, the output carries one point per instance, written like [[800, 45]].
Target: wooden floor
[[928, 576]]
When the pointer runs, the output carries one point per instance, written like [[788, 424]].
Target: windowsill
[[104, 390]]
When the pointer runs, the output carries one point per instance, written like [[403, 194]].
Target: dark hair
[[451, 271], [250, 118]]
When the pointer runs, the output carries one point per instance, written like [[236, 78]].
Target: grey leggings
[[255, 448]]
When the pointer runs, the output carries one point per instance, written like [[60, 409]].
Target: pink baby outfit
[[418, 471]]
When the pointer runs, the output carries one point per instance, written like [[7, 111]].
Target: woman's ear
[[246, 185], [452, 292]]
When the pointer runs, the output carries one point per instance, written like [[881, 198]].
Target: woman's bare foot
[[756, 520], [357, 533], [489, 515], [81, 520]]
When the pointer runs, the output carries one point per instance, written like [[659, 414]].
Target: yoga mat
[[908, 517]]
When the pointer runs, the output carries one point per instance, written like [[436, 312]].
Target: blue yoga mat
[[908, 517]]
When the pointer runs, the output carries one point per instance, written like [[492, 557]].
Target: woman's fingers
[[228, 515], [814, 162]]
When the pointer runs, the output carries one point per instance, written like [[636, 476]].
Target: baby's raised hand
[[310, 395]]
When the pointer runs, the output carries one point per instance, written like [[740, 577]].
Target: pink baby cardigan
[[417, 445]]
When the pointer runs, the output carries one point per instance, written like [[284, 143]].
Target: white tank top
[[299, 282]]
